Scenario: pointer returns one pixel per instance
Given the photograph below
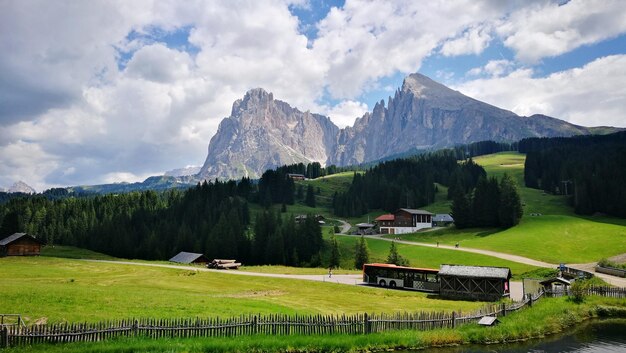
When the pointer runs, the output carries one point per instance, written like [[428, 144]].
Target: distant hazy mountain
[[152, 183], [186, 171], [22, 187], [262, 133]]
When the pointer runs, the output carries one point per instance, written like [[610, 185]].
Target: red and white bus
[[392, 276]]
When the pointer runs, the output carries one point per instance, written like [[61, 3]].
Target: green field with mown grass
[[47, 289]]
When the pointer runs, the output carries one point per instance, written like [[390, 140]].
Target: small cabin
[[20, 244], [190, 258], [293, 176], [365, 228], [474, 282], [442, 220], [556, 284]]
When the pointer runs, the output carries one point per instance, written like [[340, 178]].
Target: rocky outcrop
[[263, 133], [424, 114]]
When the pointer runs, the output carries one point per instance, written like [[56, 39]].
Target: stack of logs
[[224, 264]]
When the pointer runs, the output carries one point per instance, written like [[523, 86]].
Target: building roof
[[442, 217], [386, 217], [475, 271], [186, 257], [11, 238], [365, 225], [413, 211], [555, 279]]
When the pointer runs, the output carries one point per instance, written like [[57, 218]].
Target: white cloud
[[472, 41], [591, 95], [548, 29], [493, 68], [69, 115], [159, 63], [367, 40], [346, 112]]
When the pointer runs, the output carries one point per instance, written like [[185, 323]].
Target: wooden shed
[[20, 244], [190, 258], [474, 282]]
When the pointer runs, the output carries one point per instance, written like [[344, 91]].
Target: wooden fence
[[257, 324], [609, 292], [611, 271]]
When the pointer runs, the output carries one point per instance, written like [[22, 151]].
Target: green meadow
[[427, 257], [48, 289], [549, 230]]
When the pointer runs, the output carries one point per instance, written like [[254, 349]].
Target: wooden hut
[[474, 282], [190, 258], [20, 244]]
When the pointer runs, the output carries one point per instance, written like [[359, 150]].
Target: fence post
[[4, 337], [135, 327], [530, 300], [366, 325], [503, 309], [453, 319], [255, 328]]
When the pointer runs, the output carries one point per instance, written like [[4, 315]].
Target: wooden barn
[[474, 282], [190, 258], [20, 244]]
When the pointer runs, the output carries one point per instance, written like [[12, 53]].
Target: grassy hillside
[[425, 256], [56, 290], [556, 235]]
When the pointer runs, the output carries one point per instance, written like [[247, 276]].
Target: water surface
[[595, 337]]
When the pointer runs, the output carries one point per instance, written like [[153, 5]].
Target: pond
[[594, 337]]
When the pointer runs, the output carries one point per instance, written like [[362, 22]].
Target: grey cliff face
[[263, 133], [424, 114]]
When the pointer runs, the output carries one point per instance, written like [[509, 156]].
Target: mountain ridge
[[262, 133]]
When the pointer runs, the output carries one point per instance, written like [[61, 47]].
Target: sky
[[109, 91]]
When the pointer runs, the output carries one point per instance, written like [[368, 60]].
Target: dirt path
[[342, 279], [590, 267], [514, 258], [345, 226]]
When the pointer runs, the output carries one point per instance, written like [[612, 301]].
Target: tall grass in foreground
[[548, 316]]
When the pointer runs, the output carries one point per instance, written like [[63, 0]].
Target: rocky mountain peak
[[262, 133], [21, 186], [423, 87]]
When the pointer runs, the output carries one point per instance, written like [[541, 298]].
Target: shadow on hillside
[[487, 233]]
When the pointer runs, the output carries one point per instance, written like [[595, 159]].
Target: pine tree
[[394, 257], [361, 253], [310, 196], [335, 254], [510, 211], [461, 211]]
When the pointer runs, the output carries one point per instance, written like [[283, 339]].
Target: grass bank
[[548, 316]]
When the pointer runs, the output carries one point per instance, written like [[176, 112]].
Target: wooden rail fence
[[609, 292], [263, 324]]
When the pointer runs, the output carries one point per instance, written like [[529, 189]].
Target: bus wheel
[[382, 283], [392, 284]]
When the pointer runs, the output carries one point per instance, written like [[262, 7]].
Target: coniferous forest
[[591, 170], [405, 183], [211, 218]]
